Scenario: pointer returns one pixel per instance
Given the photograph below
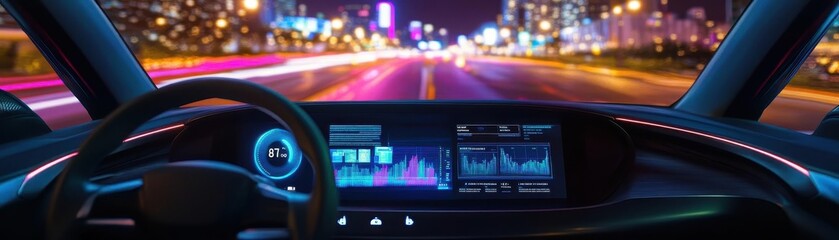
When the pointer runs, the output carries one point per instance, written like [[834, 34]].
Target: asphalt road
[[509, 79], [481, 78]]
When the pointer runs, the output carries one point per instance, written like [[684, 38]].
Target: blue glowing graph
[[504, 161], [392, 167], [478, 163], [525, 161]]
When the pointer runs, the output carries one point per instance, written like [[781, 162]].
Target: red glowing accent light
[[725, 140], [49, 165], [52, 163], [142, 135]]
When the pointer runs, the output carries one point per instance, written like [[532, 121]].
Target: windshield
[[641, 52], [645, 52]]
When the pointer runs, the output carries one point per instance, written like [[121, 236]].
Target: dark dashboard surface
[[439, 153], [478, 170], [491, 169]]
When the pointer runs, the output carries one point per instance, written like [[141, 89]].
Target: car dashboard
[[418, 170], [481, 170]]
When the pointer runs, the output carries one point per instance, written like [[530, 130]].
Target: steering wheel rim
[[73, 186]]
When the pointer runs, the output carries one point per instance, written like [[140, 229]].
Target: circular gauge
[[276, 154]]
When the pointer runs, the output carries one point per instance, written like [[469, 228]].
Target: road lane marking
[[432, 89], [427, 89]]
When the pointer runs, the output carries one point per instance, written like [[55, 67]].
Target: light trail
[[293, 65]]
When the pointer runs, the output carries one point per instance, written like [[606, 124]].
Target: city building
[[597, 9], [529, 15], [276, 10], [355, 15], [386, 19], [198, 26], [645, 24]]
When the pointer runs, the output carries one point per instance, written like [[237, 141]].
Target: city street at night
[[439, 78], [629, 52]]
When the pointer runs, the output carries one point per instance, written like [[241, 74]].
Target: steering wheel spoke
[[117, 199]]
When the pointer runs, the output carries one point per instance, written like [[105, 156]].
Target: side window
[[26, 74], [813, 91]]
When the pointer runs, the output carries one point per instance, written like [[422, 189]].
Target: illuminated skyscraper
[[511, 13], [195, 26], [386, 18], [276, 10], [356, 15], [544, 15]]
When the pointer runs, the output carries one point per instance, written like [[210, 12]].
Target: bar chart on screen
[[395, 167]]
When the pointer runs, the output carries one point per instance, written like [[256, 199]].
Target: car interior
[[151, 166]]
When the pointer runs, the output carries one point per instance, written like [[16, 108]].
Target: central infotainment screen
[[466, 160], [365, 157], [510, 160]]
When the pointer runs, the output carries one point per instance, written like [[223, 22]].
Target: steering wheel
[[200, 196]]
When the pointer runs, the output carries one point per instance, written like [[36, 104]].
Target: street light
[[337, 23], [617, 10], [428, 28], [633, 5], [251, 4], [490, 36], [221, 23], [359, 32], [544, 25], [505, 33]]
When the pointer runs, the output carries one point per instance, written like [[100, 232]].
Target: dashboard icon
[[409, 221], [342, 221], [376, 222]]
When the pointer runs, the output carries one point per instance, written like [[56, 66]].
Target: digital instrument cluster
[[276, 154]]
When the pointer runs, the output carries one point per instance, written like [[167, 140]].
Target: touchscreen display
[[464, 161], [364, 156]]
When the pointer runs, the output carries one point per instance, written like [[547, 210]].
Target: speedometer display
[[276, 154]]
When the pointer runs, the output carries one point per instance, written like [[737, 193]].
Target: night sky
[[465, 16], [457, 16]]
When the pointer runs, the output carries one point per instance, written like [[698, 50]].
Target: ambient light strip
[[142, 135], [725, 140], [49, 165]]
